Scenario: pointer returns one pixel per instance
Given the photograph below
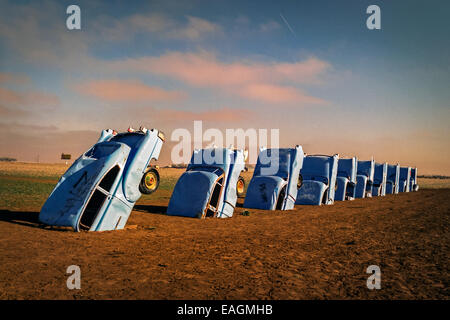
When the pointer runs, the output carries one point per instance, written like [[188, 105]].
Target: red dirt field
[[308, 253]]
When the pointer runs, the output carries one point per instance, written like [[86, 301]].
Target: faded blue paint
[[404, 181], [413, 184], [346, 179], [130, 153], [319, 175], [192, 193], [364, 178], [393, 178], [379, 179], [264, 190]]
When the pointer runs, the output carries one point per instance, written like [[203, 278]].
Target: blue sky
[[329, 84]]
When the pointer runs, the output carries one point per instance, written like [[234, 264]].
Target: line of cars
[[99, 190]]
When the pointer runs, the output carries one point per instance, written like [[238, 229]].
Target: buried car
[[346, 179], [364, 178], [393, 176], [210, 185], [99, 190], [413, 185], [379, 179], [405, 178], [275, 179], [318, 174]]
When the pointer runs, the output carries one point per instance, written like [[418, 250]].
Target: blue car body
[[346, 179], [364, 178], [208, 187], [99, 190], [405, 178], [379, 179], [318, 180], [393, 178], [413, 185], [277, 190]]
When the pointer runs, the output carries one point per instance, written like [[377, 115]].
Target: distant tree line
[[433, 177], [7, 159]]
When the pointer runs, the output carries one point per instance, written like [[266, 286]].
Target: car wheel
[[240, 187], [149, 182]]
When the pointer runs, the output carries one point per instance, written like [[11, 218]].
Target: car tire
[[240, 187], [149, 182]]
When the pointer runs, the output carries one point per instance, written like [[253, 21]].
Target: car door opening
[[97, 199]]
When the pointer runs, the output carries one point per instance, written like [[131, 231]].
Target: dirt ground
[[307, 253]]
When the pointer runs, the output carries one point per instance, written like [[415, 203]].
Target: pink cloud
[[11, 112], [28, 100], [307, 71], [277, 94], [220, 115], [203, 69], [120, 90], [14, 78], [17, 104], [248, 79]]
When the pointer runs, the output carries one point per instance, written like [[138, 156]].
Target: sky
[[311, 69]]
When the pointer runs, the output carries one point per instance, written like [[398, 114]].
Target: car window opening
[[92, 209], [212, 208], [109, 179]]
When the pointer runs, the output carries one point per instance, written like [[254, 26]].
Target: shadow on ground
[[154, 209], [28, 219], [25, 218]]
